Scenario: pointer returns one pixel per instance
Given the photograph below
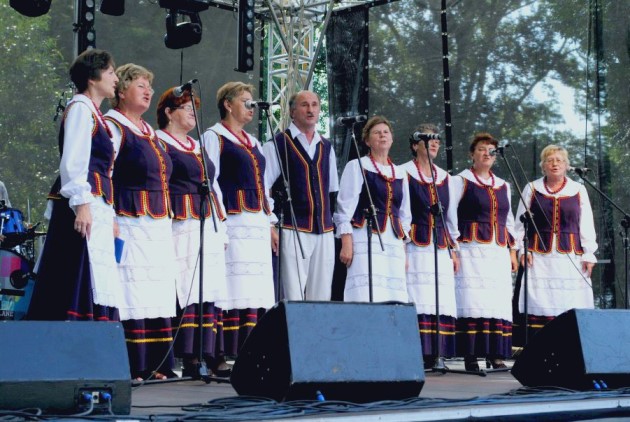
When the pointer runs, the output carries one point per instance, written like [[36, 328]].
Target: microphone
[[419, 136], [350, 120], [179, 91], [263, 105], [496, 151], [580, 171]]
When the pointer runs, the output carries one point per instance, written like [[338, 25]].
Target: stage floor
[[450, 396]]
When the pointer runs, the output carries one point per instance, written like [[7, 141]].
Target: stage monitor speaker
[[61, 367], [581, 349], [357, 352]]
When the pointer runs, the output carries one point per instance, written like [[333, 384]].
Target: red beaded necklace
[[247, 143], [145, 127], [434, 171], [189, 148], [553, 192], [491, 185], [101, 118], [380, 173]]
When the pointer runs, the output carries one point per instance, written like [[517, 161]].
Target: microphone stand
[[204, 193], [437, 211], [526, 218], [370, 215], [625, 224], [286, 198]]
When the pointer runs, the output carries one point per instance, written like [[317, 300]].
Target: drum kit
[[17, 260]]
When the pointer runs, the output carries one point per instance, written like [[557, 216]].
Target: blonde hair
[[128, 73], [229, 91], [552, 149]]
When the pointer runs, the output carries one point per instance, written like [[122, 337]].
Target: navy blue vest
[[422, 196], [387, 197], [184, 184], [242, 178], [101, 161], [564, 215], [141, 174], [482, 211], [310, 181]]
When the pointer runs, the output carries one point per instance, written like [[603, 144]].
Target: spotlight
[[32, 8], [113, 7], [183, 34]]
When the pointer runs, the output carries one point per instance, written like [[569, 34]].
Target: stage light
[[32, 8], [113, 7], [245, 36], [182, 34]]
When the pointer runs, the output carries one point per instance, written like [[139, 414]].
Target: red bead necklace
[[491, 185], [247, 143], [553, 192], [378, 170], [101, 118], [191, 143], [145, 127], [434, 172]]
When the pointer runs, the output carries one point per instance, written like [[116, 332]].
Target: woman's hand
[[513, 260], [275, 240], [83, 220], [530, 259], [345, 256], [587, 267]]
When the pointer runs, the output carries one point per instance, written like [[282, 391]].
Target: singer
[[77, 274], [485, 229], [240, 169], [310, 165], [390, 192], [147, 266], [176, 117], [560, 275], [420, 251]]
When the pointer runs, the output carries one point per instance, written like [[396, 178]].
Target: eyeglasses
[[187, 107]]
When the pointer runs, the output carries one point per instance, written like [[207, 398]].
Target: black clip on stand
[[284, 198], [370, 215], [527, 219], [625, 224], [204, 192], [437, 211]]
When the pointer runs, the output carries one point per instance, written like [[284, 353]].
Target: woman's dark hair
[[88, 66], [482, 137], [169, 100]]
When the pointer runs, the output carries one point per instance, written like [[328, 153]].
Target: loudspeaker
[[358, 352], [578, 350], [61, 367]]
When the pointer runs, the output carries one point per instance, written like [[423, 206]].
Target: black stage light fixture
[[113, 7], [31, 8], [245, 36], [183, 34], [189, 6]]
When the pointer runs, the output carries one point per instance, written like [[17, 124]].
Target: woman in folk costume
[[147, 263], [561, 261], [240, 167], [390, 192], [421, 249], [480, 203], [176, 117], [77, 276]]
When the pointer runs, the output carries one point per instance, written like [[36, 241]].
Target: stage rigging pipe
[[447, 92]]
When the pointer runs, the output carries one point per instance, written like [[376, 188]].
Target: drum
[[16, 285], [13, 228]]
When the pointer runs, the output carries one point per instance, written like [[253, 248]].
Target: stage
[[450, 396]]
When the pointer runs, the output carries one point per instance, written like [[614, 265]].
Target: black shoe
[[470, 364]]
